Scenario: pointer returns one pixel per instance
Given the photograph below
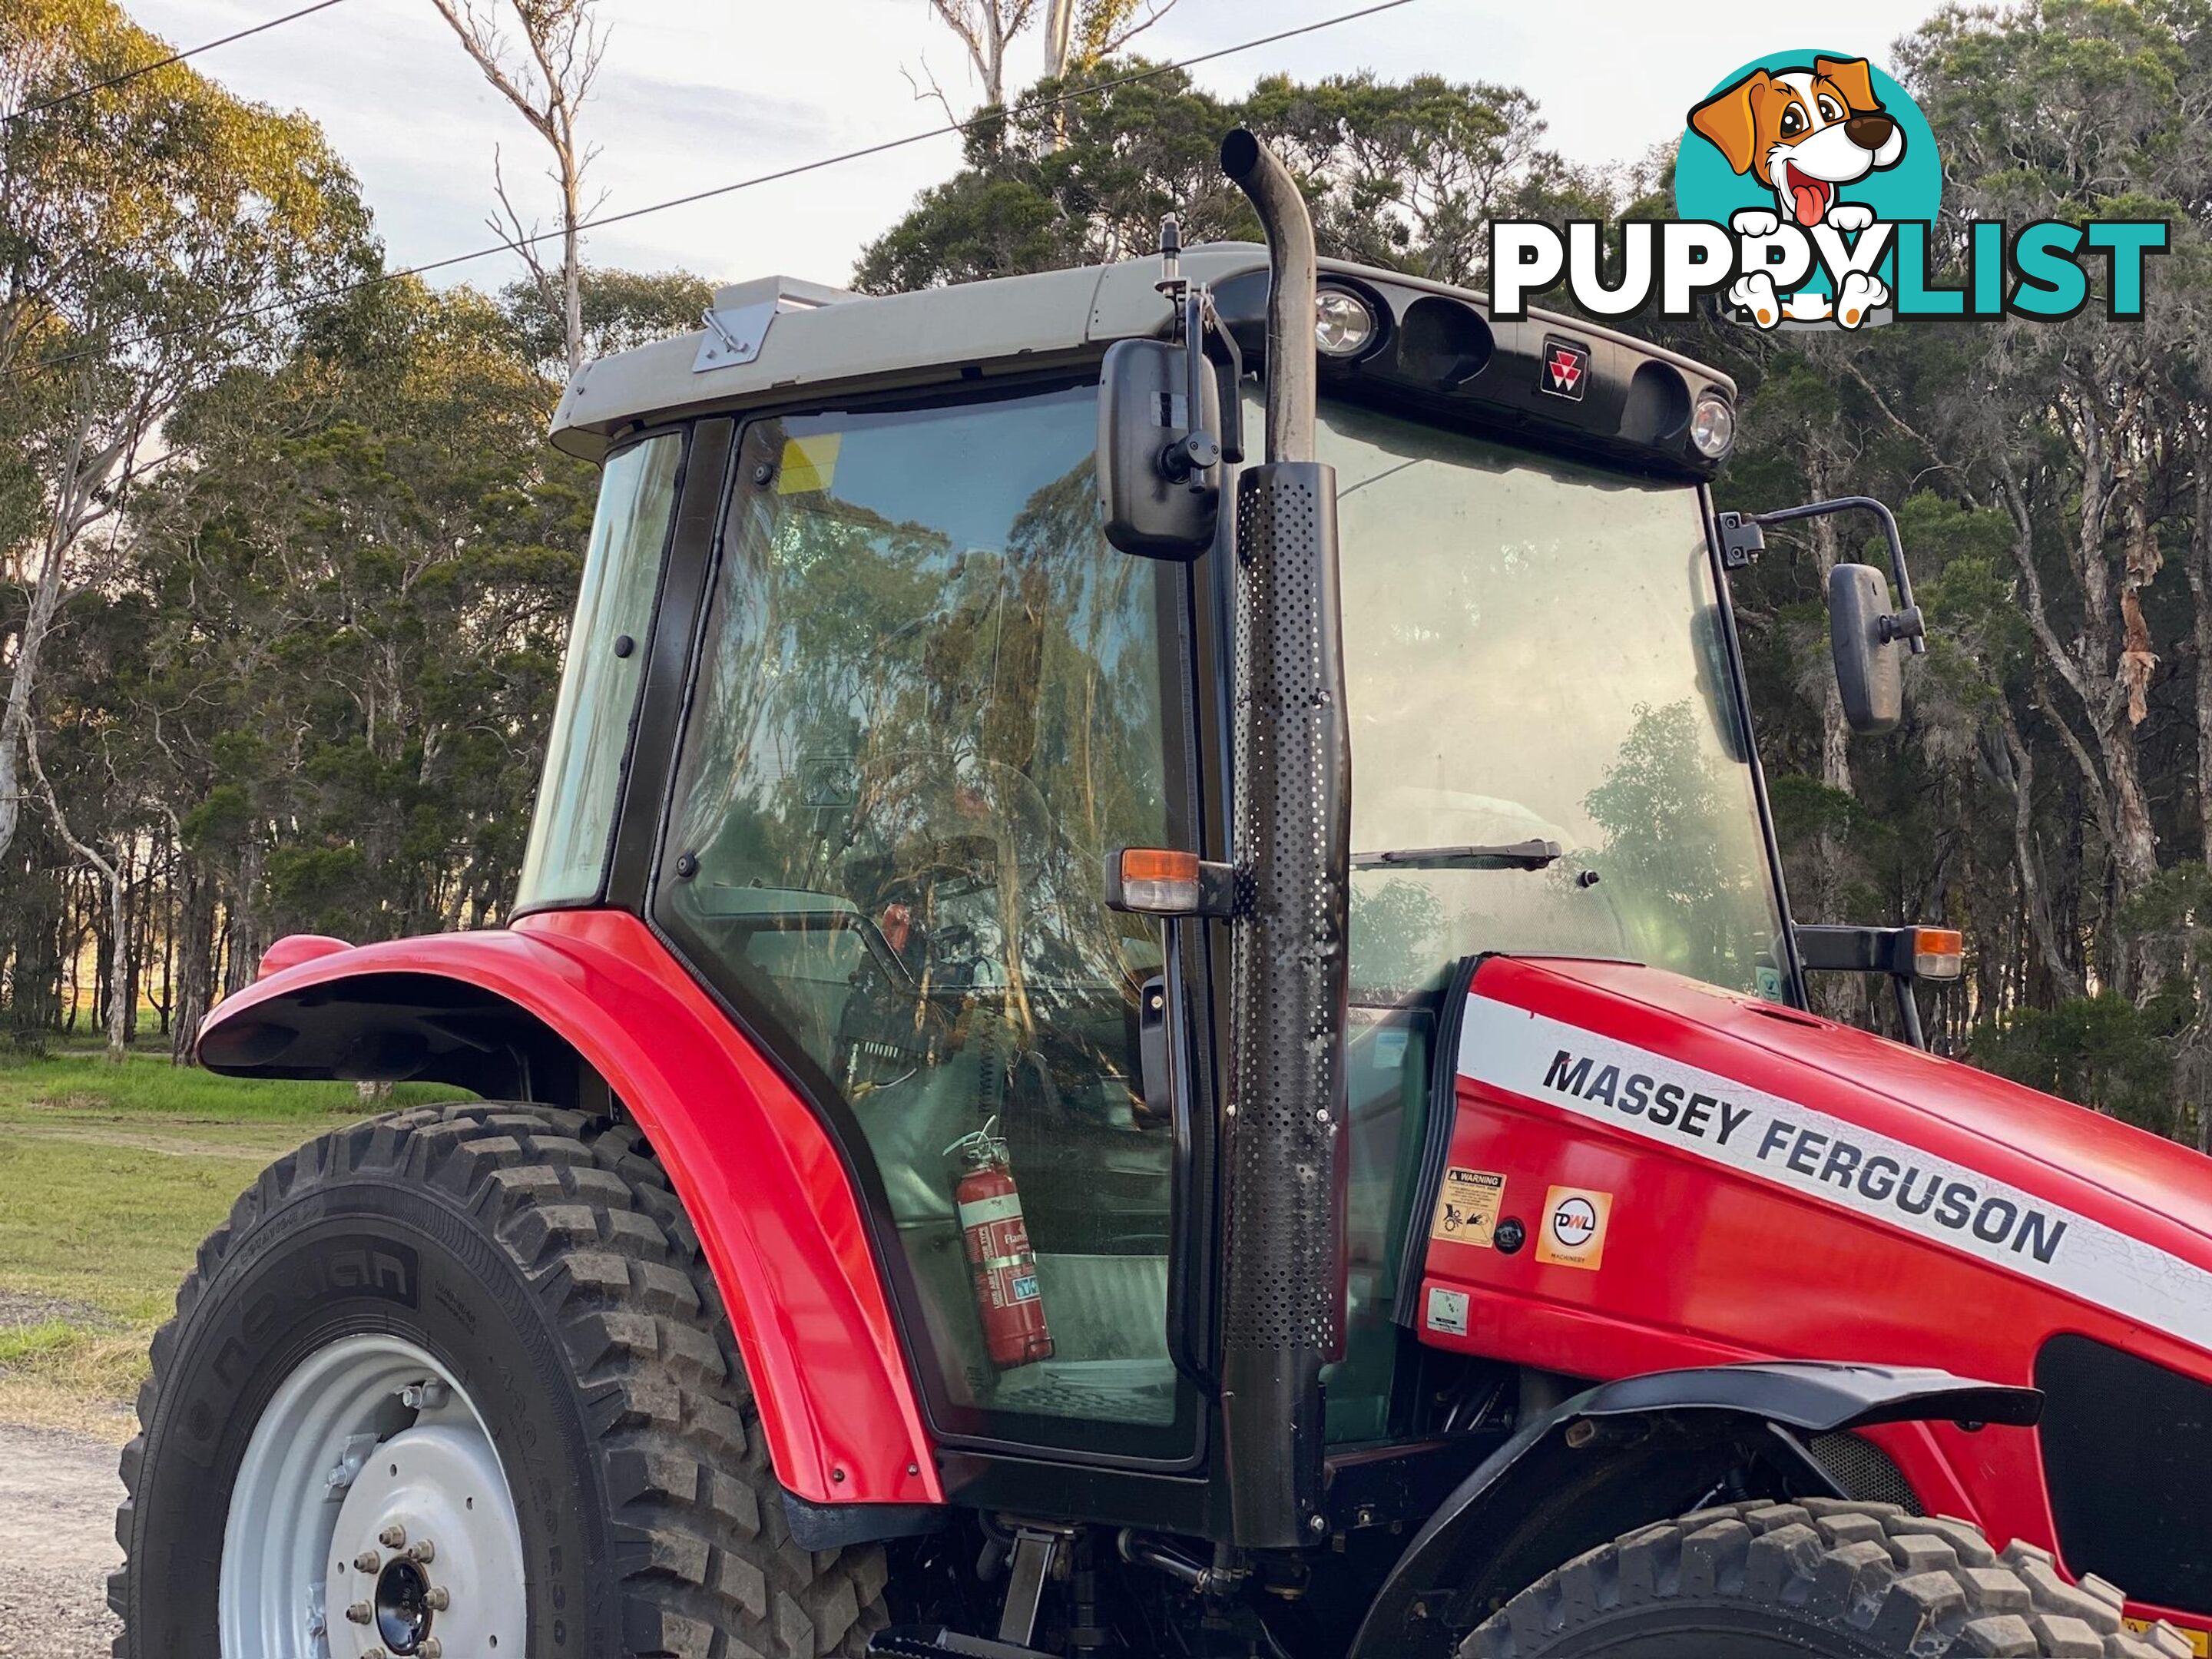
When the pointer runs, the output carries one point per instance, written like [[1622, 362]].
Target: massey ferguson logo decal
[[1828, 1160], [1832, 1159], [1566, 368]]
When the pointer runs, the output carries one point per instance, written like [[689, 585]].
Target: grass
[[110, 1175], [87, 1080]]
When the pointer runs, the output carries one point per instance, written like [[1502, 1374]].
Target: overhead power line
[[517, 244], [86, 91]]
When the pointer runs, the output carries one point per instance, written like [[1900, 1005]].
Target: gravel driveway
[[57, 1498]]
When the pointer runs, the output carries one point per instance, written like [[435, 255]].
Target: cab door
[[929, 700]]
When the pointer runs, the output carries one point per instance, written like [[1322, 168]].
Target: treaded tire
[[557, 1273], [1836, 1579]]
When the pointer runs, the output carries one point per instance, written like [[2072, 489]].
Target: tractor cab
[[933, 702], [1152, 1010], [984, 625]]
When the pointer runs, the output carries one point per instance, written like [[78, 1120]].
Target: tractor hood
[[2114, 1216]]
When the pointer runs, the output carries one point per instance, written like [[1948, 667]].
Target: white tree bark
[[85, 472], [110, 871], [547, 83]]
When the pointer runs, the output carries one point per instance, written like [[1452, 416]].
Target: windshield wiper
[[1516, 855]]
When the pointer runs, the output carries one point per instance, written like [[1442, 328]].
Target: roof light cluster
[[1343, 325]]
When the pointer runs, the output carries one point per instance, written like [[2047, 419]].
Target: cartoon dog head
[[1802, 132]]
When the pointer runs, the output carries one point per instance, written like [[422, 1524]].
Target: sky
[[696, 94]]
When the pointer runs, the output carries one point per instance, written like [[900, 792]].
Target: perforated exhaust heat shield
[[1283, 1313]]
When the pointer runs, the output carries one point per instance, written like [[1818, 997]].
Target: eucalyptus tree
[[547, 80], [2070, 109], [153, 233], [1399, 173]]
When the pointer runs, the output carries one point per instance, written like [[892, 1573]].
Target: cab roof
[[777, 340]]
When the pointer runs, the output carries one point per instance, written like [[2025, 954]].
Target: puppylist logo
[[1806, 185]]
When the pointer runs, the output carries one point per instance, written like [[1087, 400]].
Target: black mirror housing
[[1159, 492], [1869, 653]]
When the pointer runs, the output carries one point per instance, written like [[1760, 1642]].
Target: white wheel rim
[[370, 1448]]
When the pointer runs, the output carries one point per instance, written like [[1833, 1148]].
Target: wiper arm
[[1516, 855]]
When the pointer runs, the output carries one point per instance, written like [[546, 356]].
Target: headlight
[[1712, 426], [1343, 324]]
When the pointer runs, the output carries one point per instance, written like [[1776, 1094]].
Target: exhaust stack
[[1282, 1317]]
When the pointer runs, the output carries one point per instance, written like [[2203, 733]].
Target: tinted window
[[584, 755], [931, 702]]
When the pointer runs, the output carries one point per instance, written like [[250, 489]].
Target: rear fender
[[568, 1006], [1641, 1449]]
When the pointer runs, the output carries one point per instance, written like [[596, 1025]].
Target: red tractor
[[1107, 1048]]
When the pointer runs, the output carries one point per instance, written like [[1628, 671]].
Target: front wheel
[[455, 1384], [1830, 1579]]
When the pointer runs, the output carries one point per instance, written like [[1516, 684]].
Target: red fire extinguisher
[[1006, 1292]]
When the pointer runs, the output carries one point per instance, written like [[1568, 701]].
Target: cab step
[[925, 1641]]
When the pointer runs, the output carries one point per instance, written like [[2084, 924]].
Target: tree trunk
[[38, 622], [195, 953], [2027, 857], [2200, 591], [118, 965], [245, 943], [110, 874], [131, 901], [572, 258], [2135, 846]]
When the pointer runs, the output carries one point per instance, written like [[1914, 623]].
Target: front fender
[[1634, 1451], [774, 1205]]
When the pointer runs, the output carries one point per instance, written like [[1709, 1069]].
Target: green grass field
[[110, 1175]]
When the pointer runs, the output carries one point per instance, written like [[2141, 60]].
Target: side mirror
[[1158, 463], [1869, 647]]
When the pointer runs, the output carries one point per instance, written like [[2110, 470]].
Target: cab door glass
[[931, 700]]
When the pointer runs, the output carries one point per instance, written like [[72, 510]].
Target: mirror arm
[[1191, 459], [1907, 624], [1908, 1011], [1231, 374]]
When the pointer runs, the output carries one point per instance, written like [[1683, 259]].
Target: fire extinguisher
[[1007, 1297]]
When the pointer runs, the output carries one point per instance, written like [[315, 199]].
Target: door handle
[[1155, 1067]]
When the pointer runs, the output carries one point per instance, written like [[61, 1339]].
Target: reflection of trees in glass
[[962, 732], [1397, 937], [1670, 812]]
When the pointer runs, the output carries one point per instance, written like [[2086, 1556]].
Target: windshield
[[1533, 655]]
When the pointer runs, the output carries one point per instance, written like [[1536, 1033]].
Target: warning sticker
[[1467, 1208], [2199, 1641], [1447, 1310], [1573, 1233]]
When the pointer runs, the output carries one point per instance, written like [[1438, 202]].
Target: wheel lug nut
[[393, 1537], [438, 1599], [426, 1552], [360, 1613], [367, 1561]]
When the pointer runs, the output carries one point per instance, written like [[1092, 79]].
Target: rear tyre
[[489, 1321], [1829, 1578]]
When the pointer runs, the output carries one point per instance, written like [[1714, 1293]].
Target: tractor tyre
[[1815, 1577], [457, 1382]]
